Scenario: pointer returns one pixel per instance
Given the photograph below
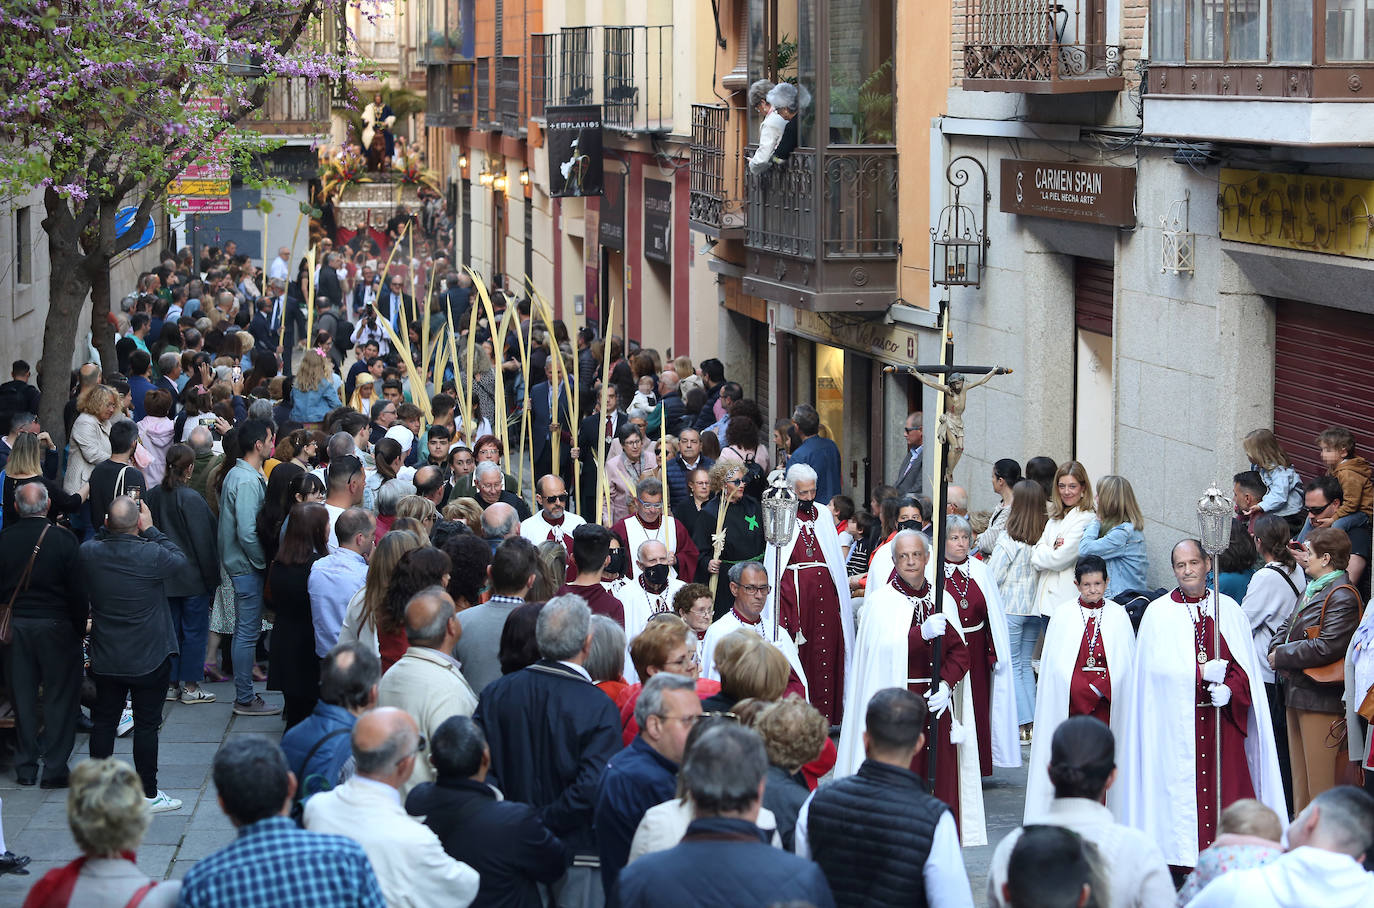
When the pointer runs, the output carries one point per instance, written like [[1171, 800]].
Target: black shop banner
[[658, 221], [573, 137]]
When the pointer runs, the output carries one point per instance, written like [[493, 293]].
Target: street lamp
[[779, 519], [958, 243]]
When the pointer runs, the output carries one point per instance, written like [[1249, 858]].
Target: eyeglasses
[[688, 721], [650, 505], [912, 429], [754, 588], [734, 482], [560, 499], [685, 660], [1315, 511]]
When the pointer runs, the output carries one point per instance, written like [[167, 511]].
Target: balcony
[[628, 70], [483, 103], [821, 229], [448, 95], [1038, 47], [507, 114], [716, 205], [1211, 61], [294, 107]]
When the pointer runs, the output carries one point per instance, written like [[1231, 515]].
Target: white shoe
[[161, 803], [126, 723]]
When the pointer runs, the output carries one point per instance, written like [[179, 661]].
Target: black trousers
[[44, 655], [147, 693], [1278, 715]]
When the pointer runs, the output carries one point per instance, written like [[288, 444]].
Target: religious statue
[[950, 429], [574, 170], [378, 140]]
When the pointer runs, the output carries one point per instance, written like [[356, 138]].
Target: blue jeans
[[1024, 631], [247, 627], [191, 618]]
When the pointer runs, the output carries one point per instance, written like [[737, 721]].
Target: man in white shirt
[[408, 858], [280, 268], [749, 585], [1082, 768], [877, 835], [552, 521], [427, 682], [337, 577], [1327, 847]]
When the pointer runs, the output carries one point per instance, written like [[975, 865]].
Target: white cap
[[402, 435]]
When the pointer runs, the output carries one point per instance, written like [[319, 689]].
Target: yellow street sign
[[199, 187]]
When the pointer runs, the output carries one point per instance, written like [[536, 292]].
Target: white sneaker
[[161, 803], [126, 723]]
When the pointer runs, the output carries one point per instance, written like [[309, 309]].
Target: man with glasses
[[391, 300], [749, 585], [689, 458], [408, 858], [553, 521], [490, 487], [651, 592], [645, 773], [1322, 500], [911, 477], [647, 523], [383, 418]]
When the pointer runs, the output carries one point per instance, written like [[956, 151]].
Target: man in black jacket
[[49, 618], [877, 835], [132, 637], [551, 732], [504, 841]]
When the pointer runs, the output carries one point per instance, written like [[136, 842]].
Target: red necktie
[[610, 429]]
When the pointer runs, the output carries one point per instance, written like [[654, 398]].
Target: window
[[1349, 30], [23, 245], [1253, 31], [861, 72]]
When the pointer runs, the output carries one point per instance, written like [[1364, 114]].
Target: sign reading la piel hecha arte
[[1087, 193]]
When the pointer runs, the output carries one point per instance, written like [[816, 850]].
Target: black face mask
[[909, 525], [656, 577], [617, 565]]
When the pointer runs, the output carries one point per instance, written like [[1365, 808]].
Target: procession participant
[[742, 531], [894, 649], [749, 590], [650, 593], [1084, 671], [814, 595], [1169, 761], [553, 520], [648, 522], [984, 625], [909, 517]]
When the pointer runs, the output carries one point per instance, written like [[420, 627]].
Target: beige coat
[[665, 824], [431, 688], [1054, 566]]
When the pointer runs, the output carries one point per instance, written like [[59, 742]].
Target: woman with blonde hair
[[748, 667], [89, 443], [1116, 536], [360, 621], [25, 466], [315, 391], [793, 733], [1071, 510], [417, 508], [1015, 577], [108, 817], [467, 511]]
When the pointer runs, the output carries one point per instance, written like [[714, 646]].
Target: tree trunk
[[67, 290], [102, 334]]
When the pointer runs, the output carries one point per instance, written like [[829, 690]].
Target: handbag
[[7, 616], [1333, 672], [1366, 708]]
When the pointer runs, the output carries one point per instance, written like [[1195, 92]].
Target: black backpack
[[755, 480], [1135, 601], [303, 789]]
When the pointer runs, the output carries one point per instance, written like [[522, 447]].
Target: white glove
[[1214, 671], [1221, 694], [934, 626], [938, 699]]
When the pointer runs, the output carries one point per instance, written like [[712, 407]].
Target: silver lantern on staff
[[779, 519], [1215, 513]]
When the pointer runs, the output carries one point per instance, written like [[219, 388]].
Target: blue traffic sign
[[125, 218]]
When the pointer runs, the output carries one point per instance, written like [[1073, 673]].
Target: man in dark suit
[[541, 420], [551, 732], [673, 407], [49, 618], [393, 299], [504, 841], [265, 340], [169, 368], [585, 452], [328, 285], [365, 291], [910, 475], [458, 299]]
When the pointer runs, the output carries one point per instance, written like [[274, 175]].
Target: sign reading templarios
[[573, 138], [658, 221], [1067, 191]]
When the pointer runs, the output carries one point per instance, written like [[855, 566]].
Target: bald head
[[384, 742], [500, 521], [201, 441], [90, 375], [122, 517], [429, 620], [668, 381], [957, 501], [652, 552], [31, 500]]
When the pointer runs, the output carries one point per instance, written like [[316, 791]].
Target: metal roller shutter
[[1322, 358], [1093, 283]]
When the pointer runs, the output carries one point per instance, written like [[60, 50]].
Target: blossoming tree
[[103, 103]]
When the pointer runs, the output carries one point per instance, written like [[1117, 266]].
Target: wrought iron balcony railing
[[508, 94], [448, 98], [294, 107], [717, 195], [1039, 47], [626, 69]]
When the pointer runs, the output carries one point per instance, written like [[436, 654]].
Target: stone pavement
[[35, 821]]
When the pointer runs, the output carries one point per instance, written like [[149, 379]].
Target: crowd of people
[[577, 672]]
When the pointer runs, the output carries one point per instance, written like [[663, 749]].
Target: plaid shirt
[[273, 862], [1014, 575]]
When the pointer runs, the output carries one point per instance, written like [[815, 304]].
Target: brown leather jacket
[[1293, 652]]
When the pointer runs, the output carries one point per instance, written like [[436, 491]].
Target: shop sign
[[658, 221], [1067, 191], [613, 212], [1306, 212], [573, 138], [895, 344]]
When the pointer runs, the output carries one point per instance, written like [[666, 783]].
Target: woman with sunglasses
[[742, 528]]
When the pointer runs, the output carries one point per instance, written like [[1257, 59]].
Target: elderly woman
[[606, 661], [793, 734], [624, 470], [1315, 636], [693, 604], [742, 528], [667, 644], [89, 443], [108, 818]]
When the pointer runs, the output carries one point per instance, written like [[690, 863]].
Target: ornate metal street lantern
[[959, 239], [779, 519]]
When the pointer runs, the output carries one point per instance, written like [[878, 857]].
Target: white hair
[[912, 534], [801, 472], [486, 466]]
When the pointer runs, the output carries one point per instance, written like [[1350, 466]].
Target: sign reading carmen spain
[[1070, 192]]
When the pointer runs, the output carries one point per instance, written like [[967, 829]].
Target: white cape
[[727, 624], [536, 528], [1062, 641], [639, 607], [1158, 755], [830, 554], [1006, 731], [880, 662]]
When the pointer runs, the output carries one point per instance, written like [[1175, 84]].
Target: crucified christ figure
[[950, 429]]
